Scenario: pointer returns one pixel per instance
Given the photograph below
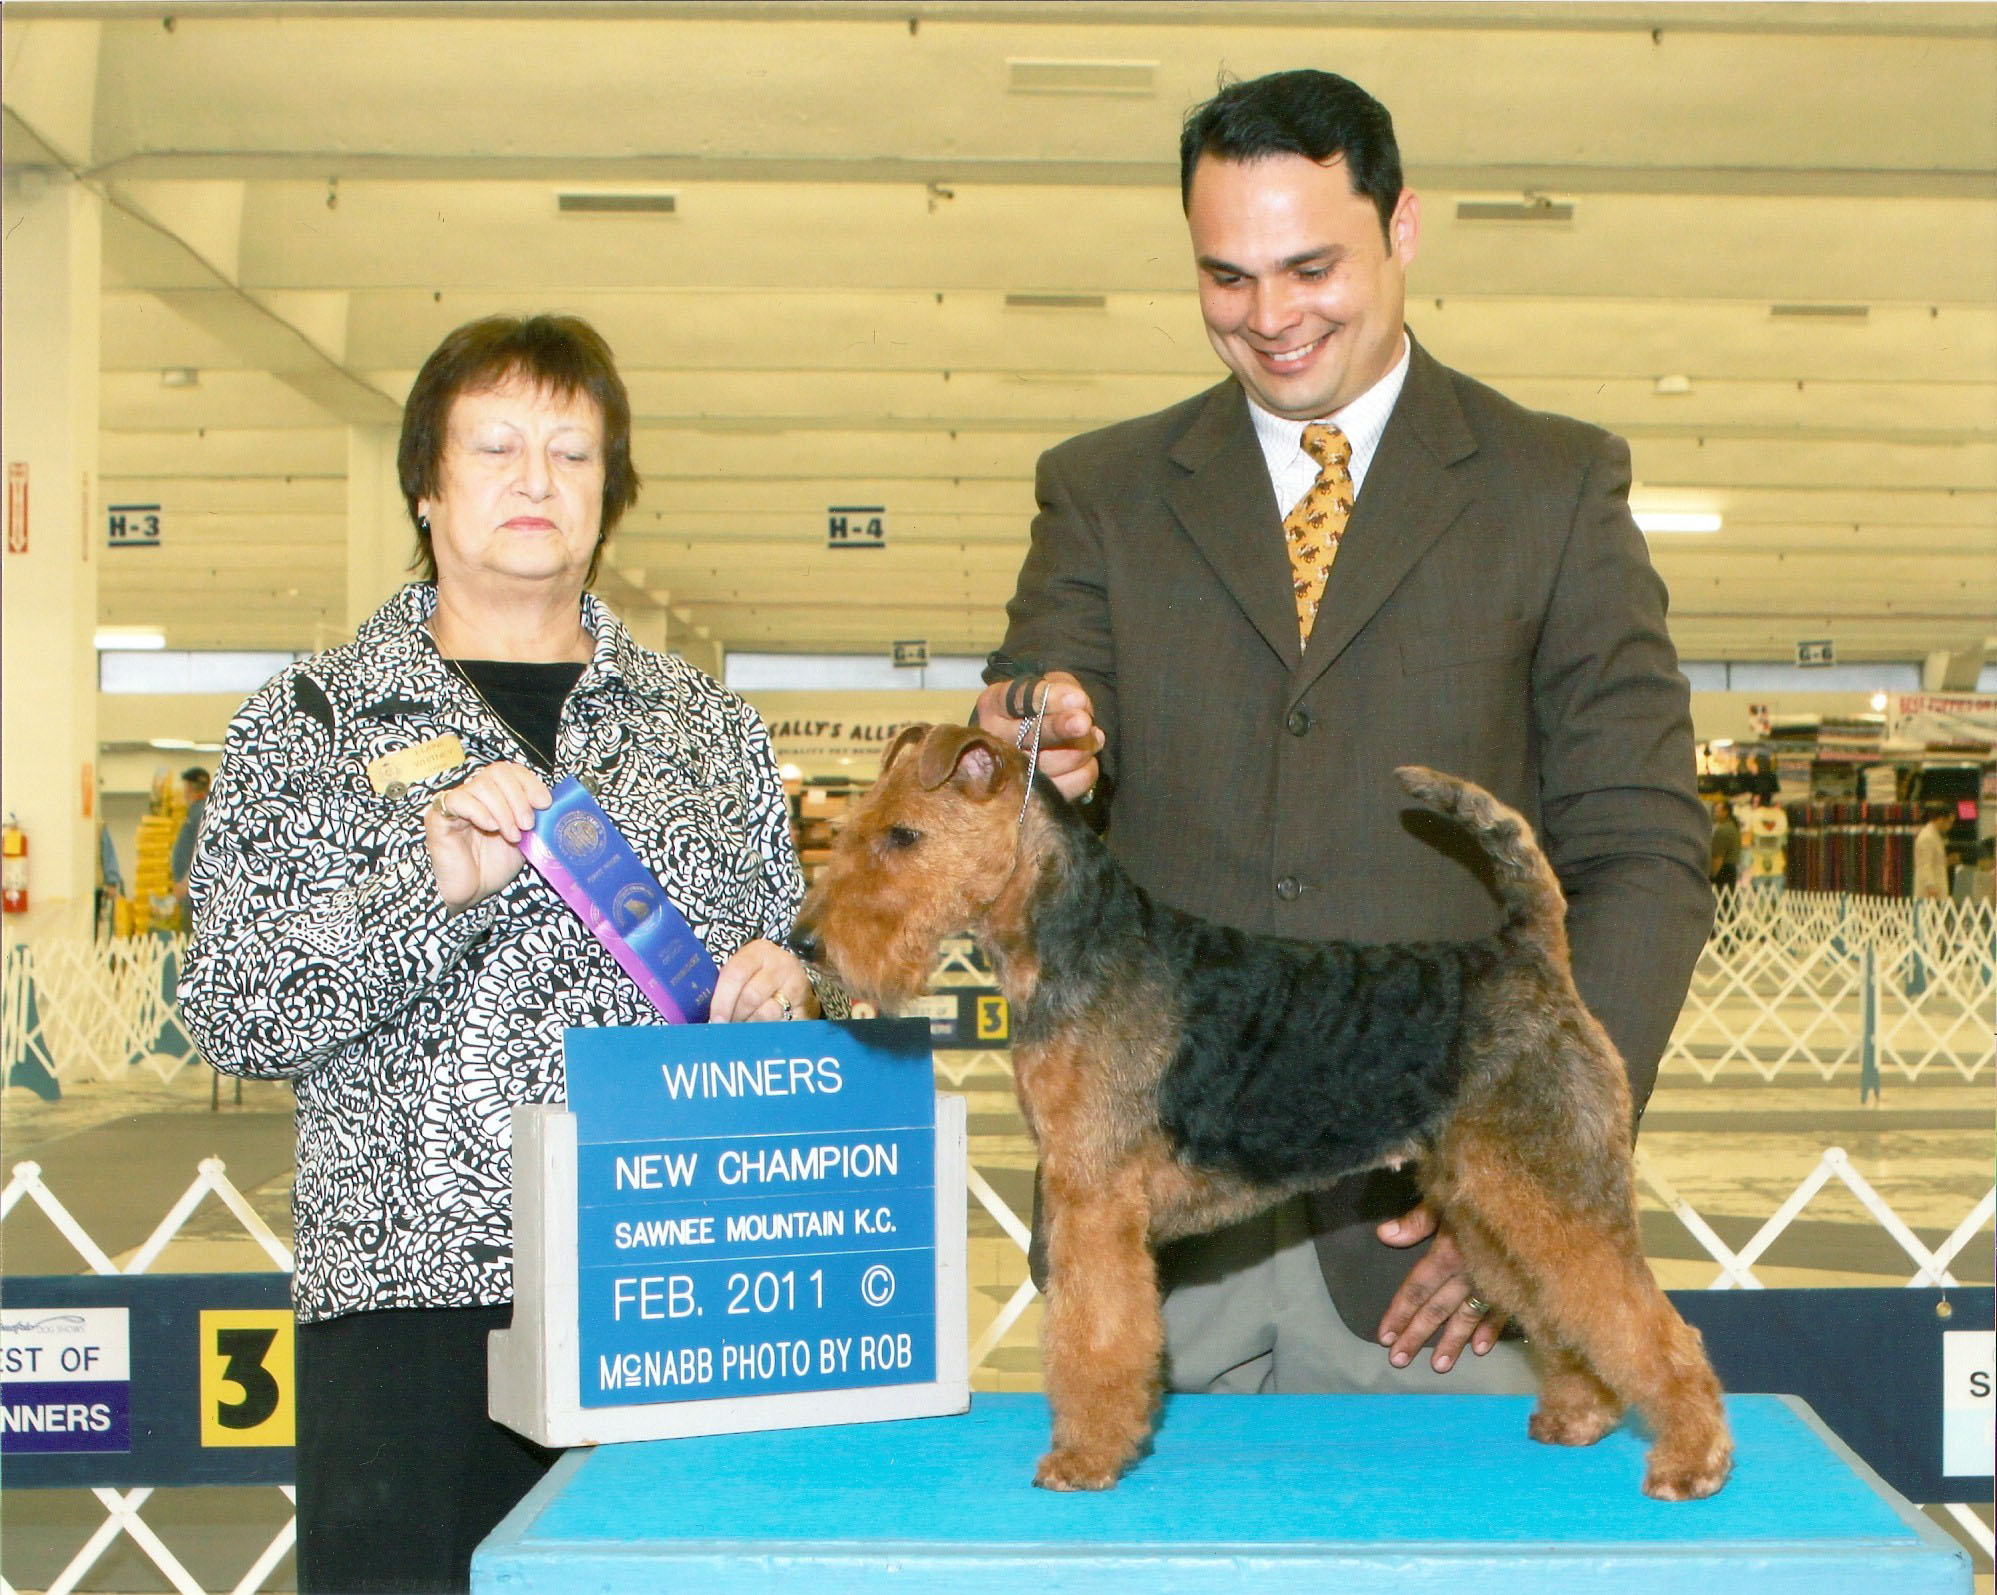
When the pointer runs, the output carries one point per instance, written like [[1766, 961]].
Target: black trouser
[[400, 1472]]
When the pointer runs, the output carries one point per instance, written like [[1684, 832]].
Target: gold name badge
[[405, 767]]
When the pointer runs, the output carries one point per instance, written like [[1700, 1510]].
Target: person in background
[[1765, 841], [1931, 853], [194, 782], [1250, 607], [110, 879], [1724, 869], [364, 929]]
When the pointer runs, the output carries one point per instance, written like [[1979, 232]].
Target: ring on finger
[[1476, 1306], [442, 806], [783, 1003]]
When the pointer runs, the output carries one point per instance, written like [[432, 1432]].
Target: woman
[[364, 928]]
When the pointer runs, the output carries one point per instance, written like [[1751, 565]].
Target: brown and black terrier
[[1177, 1076]]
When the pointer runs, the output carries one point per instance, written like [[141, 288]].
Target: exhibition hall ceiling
[[885, 255]]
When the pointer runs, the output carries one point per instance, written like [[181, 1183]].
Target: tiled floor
[[119, 1156]]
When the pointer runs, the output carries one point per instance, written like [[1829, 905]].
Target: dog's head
[[919, 857]]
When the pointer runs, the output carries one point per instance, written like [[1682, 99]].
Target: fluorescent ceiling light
[[171, 744], [1677, 521], [605, 202], [1055, 301], [128, 639], [1115, 78], [1533, 208]]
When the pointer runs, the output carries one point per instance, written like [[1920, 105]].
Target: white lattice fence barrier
[[1828, 982], [83, 1008], [122, 1508], [1736, 1267]]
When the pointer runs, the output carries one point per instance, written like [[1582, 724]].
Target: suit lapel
[[1228, 509], [1411, 498]]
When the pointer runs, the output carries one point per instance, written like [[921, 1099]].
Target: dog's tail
[[1525, 881]]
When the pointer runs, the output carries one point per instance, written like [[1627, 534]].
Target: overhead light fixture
[[1821, 312], [1677, 521], [180, 377], [1532, 208], [128, 639], [171, 744], [1119, 78], [1674, 384], [1879, 701], [605, 202], [1056, 301]]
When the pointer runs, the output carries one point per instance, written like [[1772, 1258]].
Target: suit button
[[1289, 888], [1299, 722]]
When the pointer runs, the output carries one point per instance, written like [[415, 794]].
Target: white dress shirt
[[1291, 471]]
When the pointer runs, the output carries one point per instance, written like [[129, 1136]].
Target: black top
[[528, 698]]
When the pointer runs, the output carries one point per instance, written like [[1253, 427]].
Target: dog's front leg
[[1103, 1335]]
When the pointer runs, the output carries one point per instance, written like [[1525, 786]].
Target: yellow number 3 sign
[[994, 1022], [248, 1394]]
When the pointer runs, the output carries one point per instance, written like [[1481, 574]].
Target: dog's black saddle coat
[[1297, 1060], [1308, 1061]]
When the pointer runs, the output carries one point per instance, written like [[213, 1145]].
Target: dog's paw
[[1571, 1425], [1673, 1478], [1065, 1469]]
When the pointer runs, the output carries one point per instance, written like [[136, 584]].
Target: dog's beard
[[889, 972]]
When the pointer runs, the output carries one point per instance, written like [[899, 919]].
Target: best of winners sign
[[736, 1227]]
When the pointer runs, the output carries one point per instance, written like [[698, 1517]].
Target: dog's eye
[[899, 836]]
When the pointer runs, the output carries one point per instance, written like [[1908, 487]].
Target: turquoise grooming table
[[1401, 1494]]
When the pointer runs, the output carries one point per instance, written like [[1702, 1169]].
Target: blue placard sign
[[756, 1209]]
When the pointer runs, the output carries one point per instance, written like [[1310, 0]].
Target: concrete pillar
[[52, 266], [380, 540]]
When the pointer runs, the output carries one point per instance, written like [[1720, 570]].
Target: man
[[1235, 713], [1931, 853], [194, 793], [1725, 858]]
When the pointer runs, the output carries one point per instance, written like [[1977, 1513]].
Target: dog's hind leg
[[1583, 1289], [1103, 1336]]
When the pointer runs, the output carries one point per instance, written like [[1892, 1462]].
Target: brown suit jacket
[[1492, 612]]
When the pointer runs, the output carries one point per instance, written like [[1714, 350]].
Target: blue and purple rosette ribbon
[[580, 852]]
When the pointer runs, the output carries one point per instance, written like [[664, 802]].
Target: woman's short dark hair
[[561, 355], [1317, 115]]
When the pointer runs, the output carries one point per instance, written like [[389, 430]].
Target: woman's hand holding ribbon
[[473, 832]]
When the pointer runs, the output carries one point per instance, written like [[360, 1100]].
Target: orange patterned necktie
[[1314, 527]]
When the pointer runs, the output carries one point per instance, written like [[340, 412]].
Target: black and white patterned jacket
[[322, 954]]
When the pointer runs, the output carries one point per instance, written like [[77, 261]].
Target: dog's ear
[[968, 758], [907, 736]]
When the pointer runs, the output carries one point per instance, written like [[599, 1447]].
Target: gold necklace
[[544, 758]]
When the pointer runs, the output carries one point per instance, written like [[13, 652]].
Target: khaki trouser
[[1252, 1315]]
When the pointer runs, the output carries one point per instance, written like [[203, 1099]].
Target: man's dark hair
[[562, 355], [195, 776], [1317, 115]]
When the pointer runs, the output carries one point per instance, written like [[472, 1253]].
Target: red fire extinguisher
[[13, 867]]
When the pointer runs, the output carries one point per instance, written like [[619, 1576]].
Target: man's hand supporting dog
[[1438, 1292]]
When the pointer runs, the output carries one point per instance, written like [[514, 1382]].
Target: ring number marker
[[248, 1391]]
